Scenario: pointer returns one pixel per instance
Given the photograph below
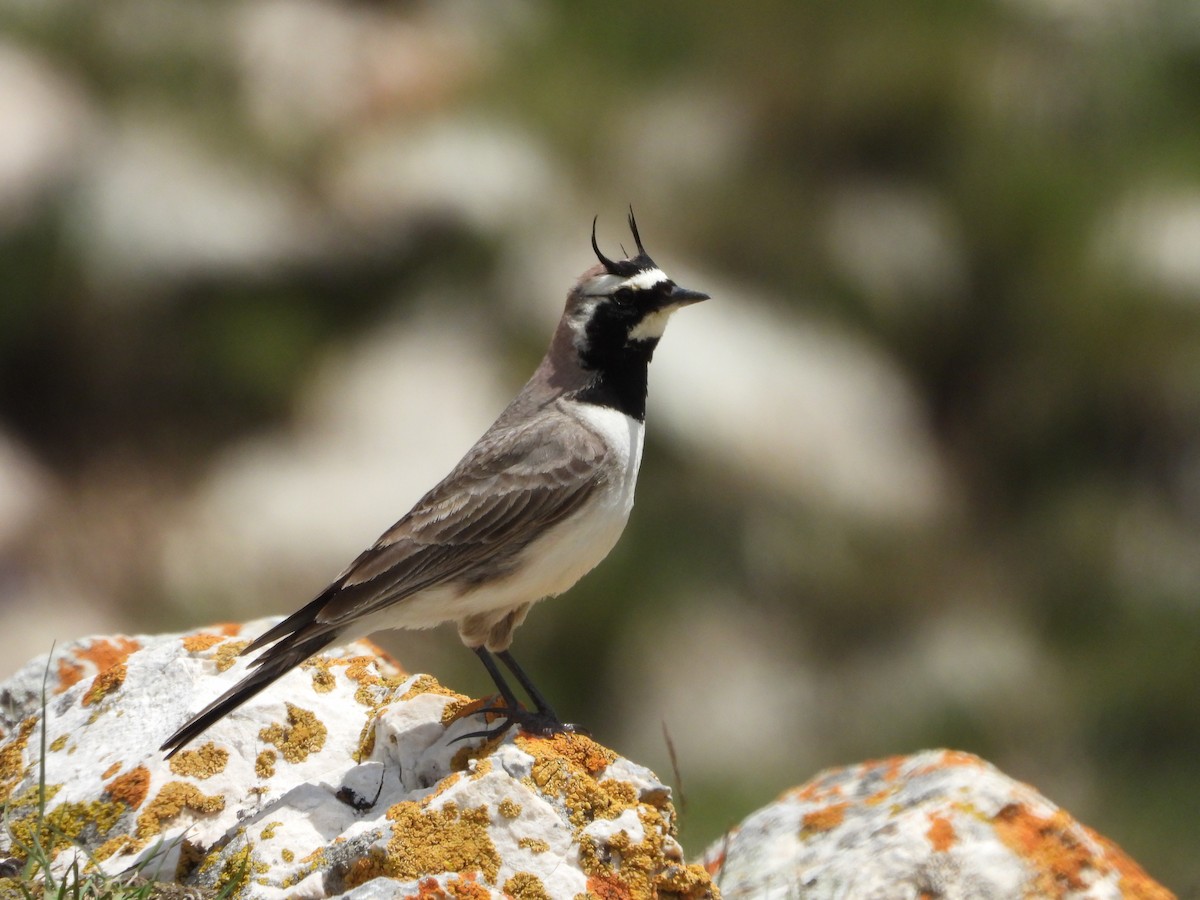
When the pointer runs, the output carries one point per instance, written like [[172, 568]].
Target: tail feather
[[295, 624], [270, 666]]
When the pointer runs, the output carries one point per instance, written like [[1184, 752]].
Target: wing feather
[[501, 497]]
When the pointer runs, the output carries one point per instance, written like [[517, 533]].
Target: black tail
[[292, 650]]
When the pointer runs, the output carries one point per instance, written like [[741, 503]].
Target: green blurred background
[[925, 472]]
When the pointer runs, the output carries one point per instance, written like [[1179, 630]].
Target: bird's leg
[[542, 721], [510, 698], [545, 721], [535, 695], [509, 712]]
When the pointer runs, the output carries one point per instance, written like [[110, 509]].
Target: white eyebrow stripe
[[642, 281], [646, 279]]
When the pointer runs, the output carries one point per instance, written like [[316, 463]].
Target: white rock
[[46, 123], [343, 774], [157, 203], [939, 823]]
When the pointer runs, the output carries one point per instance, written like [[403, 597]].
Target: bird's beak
[[680, 296]]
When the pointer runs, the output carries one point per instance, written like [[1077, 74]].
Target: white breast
[[573, 548]]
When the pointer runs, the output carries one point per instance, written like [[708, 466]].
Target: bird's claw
[[535, 722]]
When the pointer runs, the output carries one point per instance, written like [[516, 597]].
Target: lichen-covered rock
[[345, 778], [936, 824]]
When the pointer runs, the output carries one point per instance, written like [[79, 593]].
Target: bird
[[535, 504]]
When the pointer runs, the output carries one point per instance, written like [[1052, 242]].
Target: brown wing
[[472, 526]]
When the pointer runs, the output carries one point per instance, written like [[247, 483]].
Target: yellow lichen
[[286, 855], [427, 684], [533, 845], [238, 868], [174, 798], [304, 735], [12, 758], [269, 832], [112, 770], [366, 741], [433, 840], [104, 684], [311, 863], [59, 828], [565, 765], [203, 762], [59, 742], [510, 809], [525, 886], [101, 653], [227, 654], [323, 681], [264, 764], [122, 844]]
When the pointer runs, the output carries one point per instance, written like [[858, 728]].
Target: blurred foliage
[[1060, 382]]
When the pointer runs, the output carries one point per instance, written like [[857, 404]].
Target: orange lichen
[[825, 819], [204, 762], [174, 798], [69, 673], [461, 707], [466, 888], [949, 759], [608, 888], [1134, 880], [304, 734], [105, 683], [198, 643], [101, 653], [1052, 847], [713, 866], [941, 833], [815, 791], [130, 788]]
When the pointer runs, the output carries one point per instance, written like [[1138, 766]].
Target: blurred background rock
[[925, 472]]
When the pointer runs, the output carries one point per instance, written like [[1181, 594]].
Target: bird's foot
[[539, 723]]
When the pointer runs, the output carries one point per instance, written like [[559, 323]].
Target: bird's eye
[[624, 296]]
